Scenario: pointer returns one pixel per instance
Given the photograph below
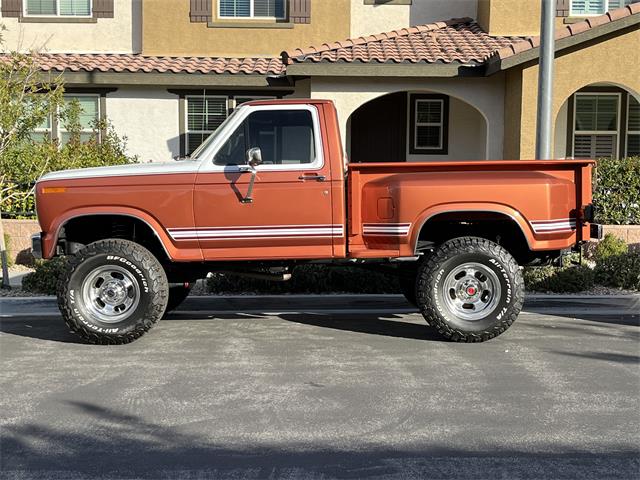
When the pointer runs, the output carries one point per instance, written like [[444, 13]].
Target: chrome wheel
[[471, 291], [110, 293]]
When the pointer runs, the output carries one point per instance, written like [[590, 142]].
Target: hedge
[[616, 194]]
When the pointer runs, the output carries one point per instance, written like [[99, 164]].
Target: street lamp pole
[[545, 80]]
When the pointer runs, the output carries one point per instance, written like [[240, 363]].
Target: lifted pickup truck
[[270, 190]]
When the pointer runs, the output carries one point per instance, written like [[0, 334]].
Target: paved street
[[323, 387]]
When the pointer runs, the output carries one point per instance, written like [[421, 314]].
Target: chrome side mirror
[[254, 157]]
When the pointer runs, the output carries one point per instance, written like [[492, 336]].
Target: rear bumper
[[596, 231], [36, 245]]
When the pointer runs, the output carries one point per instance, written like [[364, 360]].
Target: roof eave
[[353, 69], [172, 79], [497, 64]]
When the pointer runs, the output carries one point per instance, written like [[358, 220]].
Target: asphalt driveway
[[323, 388]]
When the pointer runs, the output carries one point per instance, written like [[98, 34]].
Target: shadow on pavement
[[606, 356], [49, 328], [127, 446], [367, 324], [54, 329]]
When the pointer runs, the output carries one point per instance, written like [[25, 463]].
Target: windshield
[[211, 138]]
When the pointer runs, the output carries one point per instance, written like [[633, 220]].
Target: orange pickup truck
[[271, 189]]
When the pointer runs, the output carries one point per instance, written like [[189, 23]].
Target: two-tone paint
[[319, 211]]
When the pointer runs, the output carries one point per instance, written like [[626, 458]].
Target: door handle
[[313, 176]]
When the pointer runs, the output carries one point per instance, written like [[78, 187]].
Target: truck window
[[286, 137]]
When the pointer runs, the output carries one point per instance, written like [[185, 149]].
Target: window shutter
[[562, 8], [103, 8], [11, 8], [300, 11], [200, 11]]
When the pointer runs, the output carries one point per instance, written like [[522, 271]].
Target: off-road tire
[[177, 295], [141, 265], [434, 270]]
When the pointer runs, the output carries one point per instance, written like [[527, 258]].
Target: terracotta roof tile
[[569, 30], [456, 40], [111, 62]]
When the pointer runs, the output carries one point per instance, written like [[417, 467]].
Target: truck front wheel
[[470, 289], [112, 292]]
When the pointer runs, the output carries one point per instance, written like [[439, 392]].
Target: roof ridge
[[363, 39]]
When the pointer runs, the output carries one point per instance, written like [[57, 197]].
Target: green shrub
[[571, 279], [610, 246], [24, 162], [309, 279], [619, 271], [616, 194], [45, 278]]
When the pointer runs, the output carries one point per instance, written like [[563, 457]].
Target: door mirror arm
[[254, 158]]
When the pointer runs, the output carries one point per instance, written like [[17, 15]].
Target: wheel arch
[[87, 214], [489, 211]]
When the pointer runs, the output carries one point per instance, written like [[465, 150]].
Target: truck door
[[290, 214]]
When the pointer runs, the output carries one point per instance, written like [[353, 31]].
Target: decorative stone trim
[[628, 233]]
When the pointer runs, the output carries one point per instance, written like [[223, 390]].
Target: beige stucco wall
[[148, 118], [484, 94], [615, 61], [167, 30], [121, 34], [511, 17], [370, 19]]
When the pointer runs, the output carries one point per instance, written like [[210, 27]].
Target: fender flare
[[505, 210], [140, 215]]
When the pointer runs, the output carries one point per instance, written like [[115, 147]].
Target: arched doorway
[[599, 120], [416, 126]]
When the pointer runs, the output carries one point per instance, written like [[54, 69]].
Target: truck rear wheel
[[470, 289], [112, 292]]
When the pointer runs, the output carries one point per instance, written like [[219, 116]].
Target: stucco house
[[444, 80]]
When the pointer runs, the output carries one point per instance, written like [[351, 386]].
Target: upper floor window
[[58, 8], [596, 7], [274, 9]]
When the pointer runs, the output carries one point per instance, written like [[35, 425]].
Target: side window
[[233, 152], [285, 137]]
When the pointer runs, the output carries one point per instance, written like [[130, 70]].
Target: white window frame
[[417, 124], [596, 132], [230, 127], [629, 131], [25, 13], [252, 16], [206, 133], [606, 9], [60, 130]]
